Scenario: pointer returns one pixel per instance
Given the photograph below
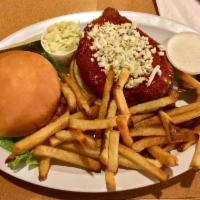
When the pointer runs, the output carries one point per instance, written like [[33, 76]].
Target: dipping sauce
[[61, 38], [183, 51]]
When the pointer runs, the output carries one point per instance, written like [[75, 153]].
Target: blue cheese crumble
[[122, 46]]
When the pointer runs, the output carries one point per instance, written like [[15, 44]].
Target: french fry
[[189, 80], [95, 124], [152, 121], [54, 141], [170, 147], [143, 164], [177, 119], [69, 157], [80, 115], [147, 131], [113, 151], [78, 135], [120, 99], [140, 117], [110, 180], [183, 109], [147, 142], [168, 125], [154, 105], [105, 149], [106, 94], [90, 142], [64, 135], [69, 96], [184, 135], [126, 163], [44, 167], [163, 156], [82, 149], [184, 146], [71, 135], [155, 162], [112, 109], [122, 124], [196, 157], [94, 111], [123, 77], [39, 136], [80, 98]]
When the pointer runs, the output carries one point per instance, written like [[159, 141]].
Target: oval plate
[[77, 180]]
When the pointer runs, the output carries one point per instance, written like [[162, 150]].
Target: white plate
[[72, 179]]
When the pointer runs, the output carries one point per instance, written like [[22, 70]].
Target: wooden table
[[16, 14]]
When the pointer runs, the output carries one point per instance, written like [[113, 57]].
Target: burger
[[30, 92], [113, 40]]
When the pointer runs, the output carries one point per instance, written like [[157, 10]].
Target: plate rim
[[95, 14]]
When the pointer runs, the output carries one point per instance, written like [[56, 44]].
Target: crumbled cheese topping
[[122, 46]]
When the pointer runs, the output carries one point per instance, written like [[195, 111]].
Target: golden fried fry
[[69, 96], [54, 141], [82, 149], [106, 94], [177, 119], [105, 149], [64, 135], [147, 131], [196, 157], [163, 156], [189, 80], [95, 124], [140, 117], [184, 135], [126, 163], [168, 125], [123, 77], [113, 151], [112, 109], [143, 164], [155, 162], [184, 146], [44, 167], [147, 142], [80, 98], [110, 180], [122, 124], [120, 100], [154, 105], [78, 135], [69, 157], [170, 147]]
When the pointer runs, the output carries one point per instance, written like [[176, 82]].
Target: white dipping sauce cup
[[183, 51]]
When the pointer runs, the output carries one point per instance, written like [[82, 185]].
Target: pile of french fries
[[106, 134]]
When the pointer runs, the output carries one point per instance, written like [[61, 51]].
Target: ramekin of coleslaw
[[61, 39]]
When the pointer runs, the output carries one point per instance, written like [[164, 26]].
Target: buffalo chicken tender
[[30, 92], [113, 40]]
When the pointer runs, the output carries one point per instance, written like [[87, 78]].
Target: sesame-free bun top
[[29, 92]]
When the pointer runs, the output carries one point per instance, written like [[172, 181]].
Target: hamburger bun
[[30, 92]]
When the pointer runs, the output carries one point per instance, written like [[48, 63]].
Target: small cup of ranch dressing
[[61, 39], [183, 51]]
